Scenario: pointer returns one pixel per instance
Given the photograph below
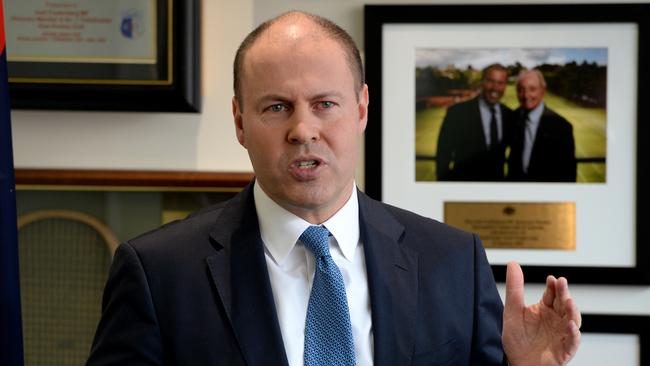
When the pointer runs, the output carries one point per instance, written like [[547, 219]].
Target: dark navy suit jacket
[[197, 292], [462, 153], [553, 156]]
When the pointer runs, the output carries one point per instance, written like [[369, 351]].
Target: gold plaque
[[508, 225]]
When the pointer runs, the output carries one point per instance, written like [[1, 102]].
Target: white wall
[[206, 142]]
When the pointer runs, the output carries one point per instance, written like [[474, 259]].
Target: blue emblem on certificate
[[132, 25]]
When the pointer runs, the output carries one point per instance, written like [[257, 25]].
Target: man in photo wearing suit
[[301, 267], [543, 148], [474, 133]]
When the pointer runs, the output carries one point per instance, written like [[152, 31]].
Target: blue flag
[[11, 340]]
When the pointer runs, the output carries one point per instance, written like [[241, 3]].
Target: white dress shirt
[[532, 124], [291, 272]]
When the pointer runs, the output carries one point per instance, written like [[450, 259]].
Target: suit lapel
[[239, 274], [392, 281], [477, 129], [241, 278]]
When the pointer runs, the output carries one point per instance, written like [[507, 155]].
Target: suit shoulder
[[421, 228], [433, 240], [195, 227], [419, 223], [506, 111], [557, 118], [464, 107]]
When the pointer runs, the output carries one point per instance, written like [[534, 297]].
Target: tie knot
[[493, 109], [316, 240]]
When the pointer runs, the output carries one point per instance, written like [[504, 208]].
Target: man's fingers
[[562, 289], [564, 302], [514, 288], [572, 312], [572, 340], [549, 292]]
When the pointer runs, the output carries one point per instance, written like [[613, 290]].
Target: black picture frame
[[176, 87], [378, 16], [621, 324]]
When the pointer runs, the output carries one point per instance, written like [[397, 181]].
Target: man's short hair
[[495, 66], [329, 28], [535, 72]]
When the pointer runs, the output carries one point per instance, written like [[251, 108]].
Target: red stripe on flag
[[2, 29]]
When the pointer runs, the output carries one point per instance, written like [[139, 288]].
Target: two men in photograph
[[481, 139]]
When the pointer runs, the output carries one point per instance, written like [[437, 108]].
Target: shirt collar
[[486, 112], [483, 104], [280, 229], [536, 114]]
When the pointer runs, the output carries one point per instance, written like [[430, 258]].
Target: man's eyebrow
[[281, 98], [272, 97], [327, 94]]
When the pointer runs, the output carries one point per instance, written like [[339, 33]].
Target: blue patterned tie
[[328, 333]]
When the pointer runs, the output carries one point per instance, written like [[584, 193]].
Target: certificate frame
[[175, 87], [379, 17], [131, 179], [621, 324]]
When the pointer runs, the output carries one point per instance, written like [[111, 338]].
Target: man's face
[[530, 91], [302, 121], [493, 85]]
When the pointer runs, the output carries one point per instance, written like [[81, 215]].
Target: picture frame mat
[[625, 336], [601, 348], [595, 232]]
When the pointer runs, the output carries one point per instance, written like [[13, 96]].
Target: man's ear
[[239, 123], [363, 108]]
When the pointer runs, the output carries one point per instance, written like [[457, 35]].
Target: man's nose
[[304, 127]]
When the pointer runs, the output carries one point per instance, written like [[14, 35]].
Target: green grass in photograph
[[425, 171], [591, 172], [427, 128]]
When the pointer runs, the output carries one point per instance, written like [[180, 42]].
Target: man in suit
[[474, 133], [230, 285], [543, 148]]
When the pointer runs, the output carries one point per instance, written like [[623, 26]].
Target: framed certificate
[[138, 55], [423, 61]]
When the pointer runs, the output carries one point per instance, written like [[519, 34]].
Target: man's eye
[[277, 108], [326, 104]]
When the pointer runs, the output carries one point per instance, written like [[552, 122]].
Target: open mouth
[[307, 164]]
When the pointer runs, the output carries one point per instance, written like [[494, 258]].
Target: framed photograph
[[521, 123], [127, 202], [614, 339], [133, 55]]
